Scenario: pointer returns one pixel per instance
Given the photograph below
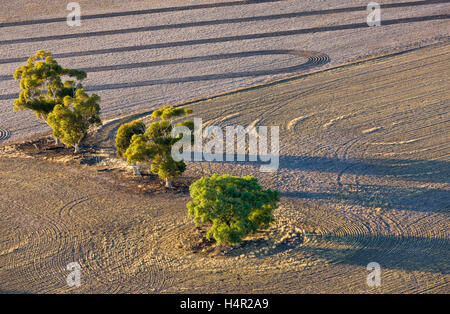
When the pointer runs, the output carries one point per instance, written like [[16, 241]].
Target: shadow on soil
[[385, 196], [405, 253], [419, 199], [416, 170]]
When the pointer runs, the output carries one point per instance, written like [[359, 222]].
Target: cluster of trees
[[63, 105], [153, 145], [232, 207]]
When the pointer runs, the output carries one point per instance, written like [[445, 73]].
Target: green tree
[[125, 133], [235, 206], [155, 145], [123, 139], [71, 120], [41, 84]]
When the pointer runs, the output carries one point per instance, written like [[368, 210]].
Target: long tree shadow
[[386, 197], [204, 41], [313, 59], [426, 171], [316, 58], [219, 5], [154, 11], [203, 23], [407, 169], [421, 199], [393, 252]]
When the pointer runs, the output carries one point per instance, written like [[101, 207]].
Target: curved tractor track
[[4, 134], [363, 173], [372, 180], [364, 169], [174, 52], [103, 268], [314, 59]]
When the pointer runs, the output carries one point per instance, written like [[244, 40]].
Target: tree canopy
[[125, 133], [154, 146], [41, 84], [71, 120], [235, 206], [64, 105]]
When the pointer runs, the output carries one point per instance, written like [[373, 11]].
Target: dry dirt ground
[[364, 177], [155, 55]]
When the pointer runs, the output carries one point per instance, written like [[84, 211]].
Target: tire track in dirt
[[314, 59], [290, 126], [54, 240], [4, 134], [368, 213], [164, 10], [346, 148], [102, 263], [67, 208], [235, 38], [219, 5], [391, 250], [365, 211], [402, 237], [381, 238]]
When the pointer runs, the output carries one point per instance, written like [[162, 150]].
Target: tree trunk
[[169, 183], [57, 141], [76, 148]]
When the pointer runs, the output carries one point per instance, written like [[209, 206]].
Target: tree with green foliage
[[41, 84], [234, 206], [124, 136], [125, 133], [71, 120], [155, 145]]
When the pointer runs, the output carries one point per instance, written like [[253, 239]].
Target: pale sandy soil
[[127, 88], [364, 169]]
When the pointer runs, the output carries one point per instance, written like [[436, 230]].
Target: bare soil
[[146, 60], [363, 174]]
